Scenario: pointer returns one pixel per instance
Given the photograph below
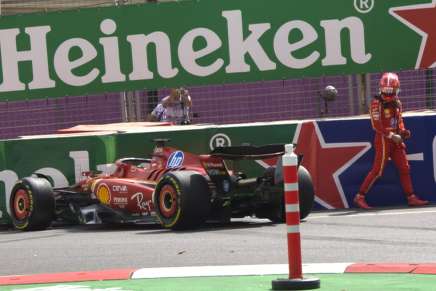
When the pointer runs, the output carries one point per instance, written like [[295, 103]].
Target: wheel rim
[[168, 201], [21, 204]]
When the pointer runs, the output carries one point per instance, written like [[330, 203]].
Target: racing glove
[[405, 134], [396, 138]]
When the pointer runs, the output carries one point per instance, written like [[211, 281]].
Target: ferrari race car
[[177, 189]]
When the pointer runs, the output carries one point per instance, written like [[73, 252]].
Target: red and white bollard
[[292, 208]]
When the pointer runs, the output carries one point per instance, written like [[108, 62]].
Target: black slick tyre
[[306, 191], [275, 211], [182, 200], [32, 204]]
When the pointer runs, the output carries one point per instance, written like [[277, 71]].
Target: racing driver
[[387, 122]]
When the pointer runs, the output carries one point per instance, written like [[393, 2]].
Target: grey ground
[[386, 235]]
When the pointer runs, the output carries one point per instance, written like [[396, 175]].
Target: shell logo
[[103, 194]]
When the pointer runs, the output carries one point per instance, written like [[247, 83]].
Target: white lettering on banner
[[107, 169], [111, 53], [239, 47], [81, 163], [64, 66], [284, 49], [364, 6], [219, 140], [332, 34], [58, 177], [434, 158], [8, 178], [139, 44], [188, 57], [10, 58]]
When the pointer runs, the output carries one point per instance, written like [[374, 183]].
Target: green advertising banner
[[252, 134], [209, 42], [63, 159]]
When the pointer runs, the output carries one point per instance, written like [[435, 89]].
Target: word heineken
[[49, 69]]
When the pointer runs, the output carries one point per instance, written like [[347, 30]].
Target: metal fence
[[12, 7], [226, 103]]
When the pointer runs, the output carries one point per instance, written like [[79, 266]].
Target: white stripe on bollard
[[290, 160], [293, 228], [290, 208], [291, 187]]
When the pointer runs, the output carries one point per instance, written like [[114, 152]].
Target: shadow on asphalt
[[154, 228]]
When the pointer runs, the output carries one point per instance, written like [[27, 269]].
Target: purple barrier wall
[[46, 116], [220, 104]]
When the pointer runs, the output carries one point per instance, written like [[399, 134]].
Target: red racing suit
[[386, 120]]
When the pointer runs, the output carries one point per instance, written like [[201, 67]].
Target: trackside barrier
[[292, 208]]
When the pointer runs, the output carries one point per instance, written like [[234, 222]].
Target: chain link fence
[[12, 7], [221, 104]]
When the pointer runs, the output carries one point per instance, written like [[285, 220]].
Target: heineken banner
[[209, 42]]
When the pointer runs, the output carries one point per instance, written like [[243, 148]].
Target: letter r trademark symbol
[[364, 6], [219, 140]]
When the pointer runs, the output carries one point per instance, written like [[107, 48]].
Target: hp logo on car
[[175, 160]]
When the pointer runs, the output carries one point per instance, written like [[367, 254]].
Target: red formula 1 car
[[178, 189]]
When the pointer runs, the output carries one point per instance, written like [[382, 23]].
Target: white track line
[[369, 213], [236, 270]]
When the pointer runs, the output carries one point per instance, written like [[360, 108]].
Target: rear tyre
[[182, 200], [275, 211], [32, 204], [306, 192]]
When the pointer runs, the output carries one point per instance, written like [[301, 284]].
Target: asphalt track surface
[[401, 235]]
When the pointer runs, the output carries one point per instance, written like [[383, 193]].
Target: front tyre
[[32, 204], [182, 200]]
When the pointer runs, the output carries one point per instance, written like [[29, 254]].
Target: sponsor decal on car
[[175, 160], [213, 165], [120, 188], [93, 184], [143, 204], [120, 200], [103, 194]]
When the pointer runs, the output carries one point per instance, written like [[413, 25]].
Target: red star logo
[[325, 162], [422, 19]]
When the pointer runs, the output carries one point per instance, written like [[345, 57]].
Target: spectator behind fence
[[173, 108]]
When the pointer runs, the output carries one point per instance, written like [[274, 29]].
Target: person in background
[[173, 108], [390, 133]]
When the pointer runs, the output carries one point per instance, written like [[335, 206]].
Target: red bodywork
[[130, 187]]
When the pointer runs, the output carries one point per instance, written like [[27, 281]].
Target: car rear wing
[[249, 152]]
